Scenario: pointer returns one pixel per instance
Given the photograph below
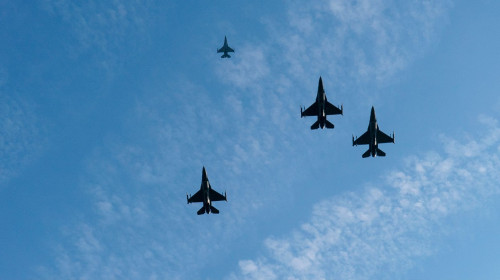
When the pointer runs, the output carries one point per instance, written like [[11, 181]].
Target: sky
[[110, 109]]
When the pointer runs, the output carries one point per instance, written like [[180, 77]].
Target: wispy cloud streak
[[139, 224], [101, 28], [359, 40], [380, 231], [20, 140]]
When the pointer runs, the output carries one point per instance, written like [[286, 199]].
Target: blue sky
[[109, 110]]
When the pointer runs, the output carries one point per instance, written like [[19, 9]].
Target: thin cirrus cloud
[[352, 44], [138, 211], [248, 70], [21, 139], [384, 229], [129, 179], [102, 28], [362, 40]]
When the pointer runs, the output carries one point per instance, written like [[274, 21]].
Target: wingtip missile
[[342, 109], [393, 137]]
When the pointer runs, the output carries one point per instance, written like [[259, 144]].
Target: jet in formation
[[206, 195], [225, 49], [321, 108], [373, 136]]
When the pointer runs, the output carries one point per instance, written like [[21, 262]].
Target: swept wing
[[331, 109], [384, 138], [225, 49], [311, 111], [362, 140], [197, 197], [215, 196]]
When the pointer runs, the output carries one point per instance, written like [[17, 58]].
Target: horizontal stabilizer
[[201, 211], [366, 154], [380, 153], [214, 210], [315, 125], [329, 124]]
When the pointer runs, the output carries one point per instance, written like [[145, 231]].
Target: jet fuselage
[[321, 99], [373, 128], [205, 187]]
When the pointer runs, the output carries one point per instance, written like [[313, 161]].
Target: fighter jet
[[321, 108], [225, 49], [206, 195], [373, 137]]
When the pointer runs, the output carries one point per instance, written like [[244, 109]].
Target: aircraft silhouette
[[225, 49], [206, 195], [373, 136], [321, 108]]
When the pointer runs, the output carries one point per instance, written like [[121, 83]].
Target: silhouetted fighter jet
[[373, 137], [225, 49], [321, 108], [206, 195]]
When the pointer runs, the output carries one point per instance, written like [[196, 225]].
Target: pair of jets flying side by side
[[372, 137], [225, 49]]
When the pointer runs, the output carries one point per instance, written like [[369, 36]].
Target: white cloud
[[381, 231], [137, 187], [102, 28], [20, 140], [361, 40], [248, 66], [130, 183]]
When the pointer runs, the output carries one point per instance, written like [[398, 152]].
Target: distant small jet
[[321, 108], [373, 136], [206, 195], [225, 49]]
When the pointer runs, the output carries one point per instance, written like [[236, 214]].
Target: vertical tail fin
[[201, 211], [315, 125], [214, 210]]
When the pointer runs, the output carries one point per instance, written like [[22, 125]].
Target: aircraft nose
[[204, 174], [320, 86]]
